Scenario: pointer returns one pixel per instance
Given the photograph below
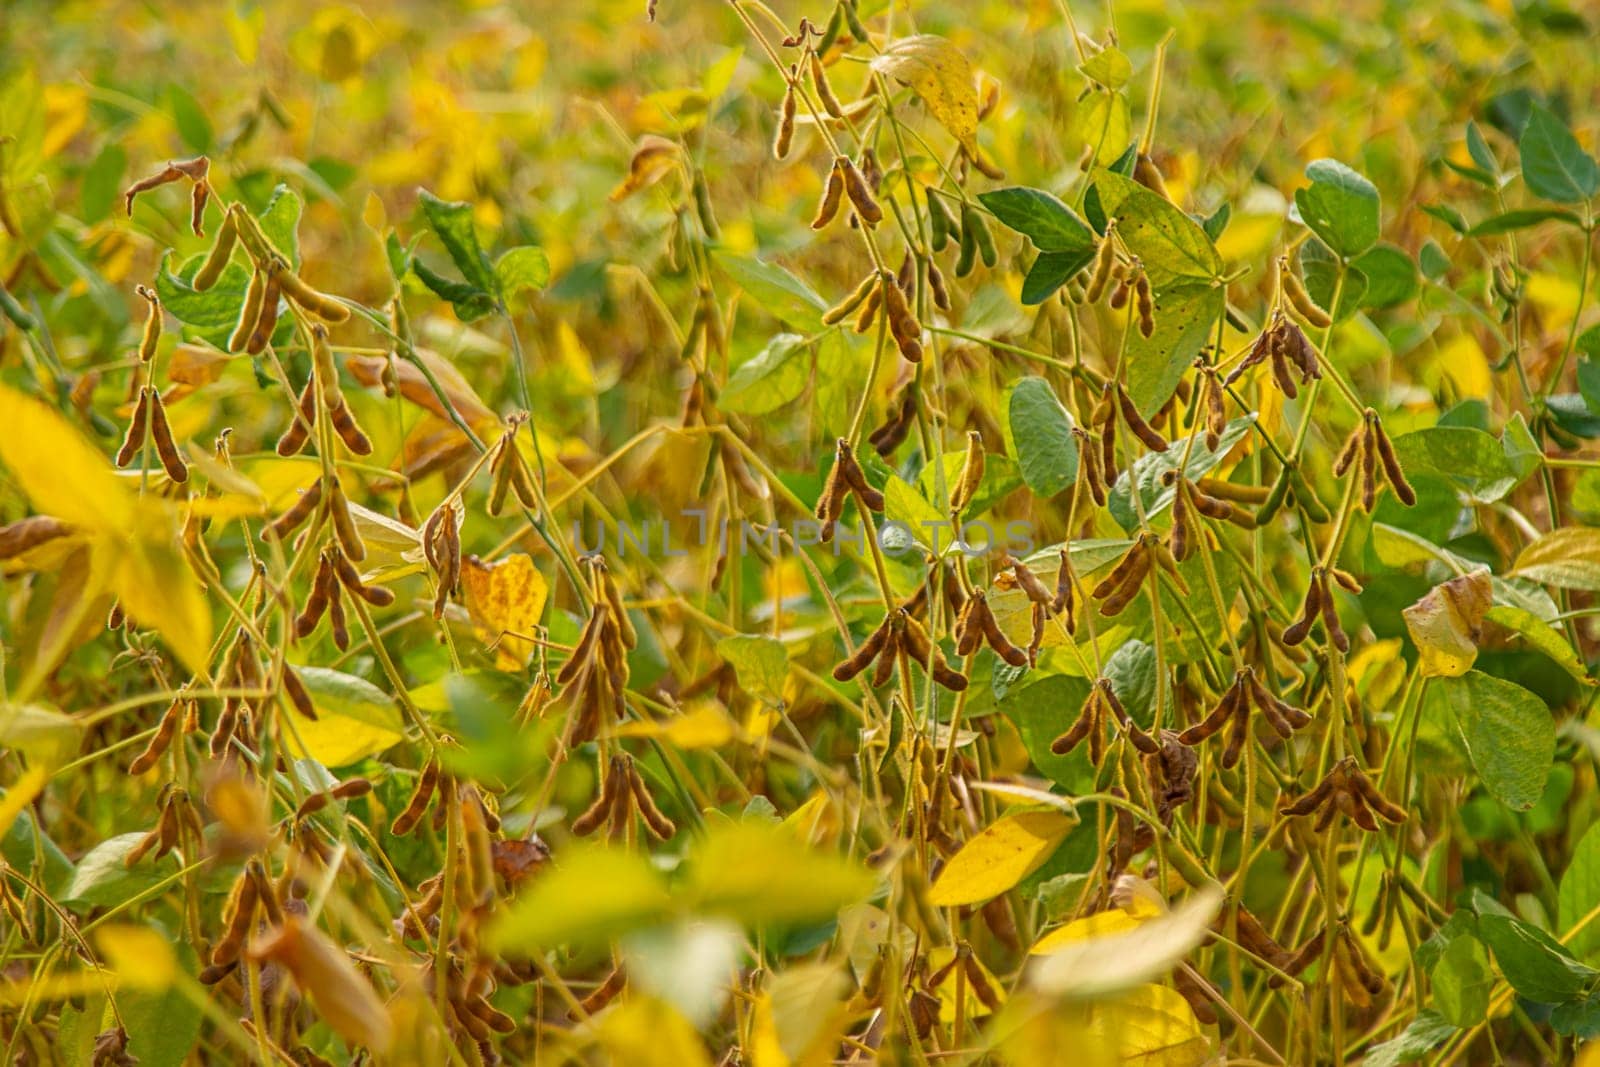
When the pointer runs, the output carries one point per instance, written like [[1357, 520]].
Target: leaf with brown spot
[[505, 598], [938, 73]]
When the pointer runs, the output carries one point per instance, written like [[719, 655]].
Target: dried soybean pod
[[1027, 581], [1147, 174], [1000, 642], [658, 823], [249, 312], [864, 655], [1375, 800], [854, 477], [152, 323], [417, 805], [315, 301], [1301, 628], [1105, 259], [936, 286], [136, 429], [161, 437], [24, 534], [1080, 728], [981, 233], [1299, 299], [971, 475], [869, 308], [376, 595], [267, 321], [1065, 581], [295, 690], [785, 135], [590, 819], [241, 914], [217, 259], [1392, 471], [1218, 718], [197, 206], [299, 431], [841, 311], [344, 527], [969, 629], [819, 79], [322, 591], [298, 512], [832, 196], [1136, 422], [1119, 295], [166, 730], [859, 192], [1330, 615]]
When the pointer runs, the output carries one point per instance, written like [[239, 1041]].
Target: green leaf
[[1340, 206], [1041, 437], [103, 878], [1041, 711], [164, 1025], [355, 719], [761, 874], [1186, 318], [761, 664], [1150, 469], [1001, 477], [1507, 731], [1520, 219], [1462, 980], [776, 290], [1470, 460], [1109, 66], [470, 302], [1542, 636], [451, 222], [190, 118], [215, 309], [1534, 963], [102, 182], [1390, 274], [595, 894], [1568, 558], [1040, 217], [1479, 150], [1050, 271], [1320, 267], [908, 508], [523, 267], [1579, 894], [280, 221], [1169, 243], [1579, 1019], [1554, 165], [1427, 1032], [771, 378]]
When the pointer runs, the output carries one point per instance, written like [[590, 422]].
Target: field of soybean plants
[[778, 533]]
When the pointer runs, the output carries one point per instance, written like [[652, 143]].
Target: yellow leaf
[[1151, 1025], [1103, 121], [1000, 857], [355, 719], [592, 894], [1447, 623], [648, 1032], [1107, 963], [942, 77], [759, 873], [56, 466], [141, 956], [21, 794], [706, 726], [1463, 362], [653, 158], [1100, 924], [40, 732], [156, 587], [765, 1048], [807, 1012], [504, 598]]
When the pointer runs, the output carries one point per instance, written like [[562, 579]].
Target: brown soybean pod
[[1120, 573], [785, 135], [1069, 740], [1027, 581], [299, 431], [161, 437], [217, 259], [658, 823], [869, 308], [1065, 581], [970, 627], [1217, 719], [295, 690], [832, 196], [267, 321], [841, 311], [318, 303], [590, 819], [1002, 644], [860, 194], [166, 730], [322, 591], [819, 79], [1298, 632], [417, 805], [197, 206], [377, 596], [136, 430], [1300, 299], [1146, 304], [1375, 800], [1392, 471], [1330, 617], [336, 622]]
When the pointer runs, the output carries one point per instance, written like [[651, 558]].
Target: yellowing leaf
[[942, 77], [156, 588], [1100, 924], [593, 894], [1000, 857], [59, 470], [40, 732], [1447, 623], [21, 794], [1151, 1025], [355, 719], [1090, 967], [141, 956], [706, 726], [648, 1032], [504, 598], [653, 158], [761, 664], [760, 873], [807, 1009]]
